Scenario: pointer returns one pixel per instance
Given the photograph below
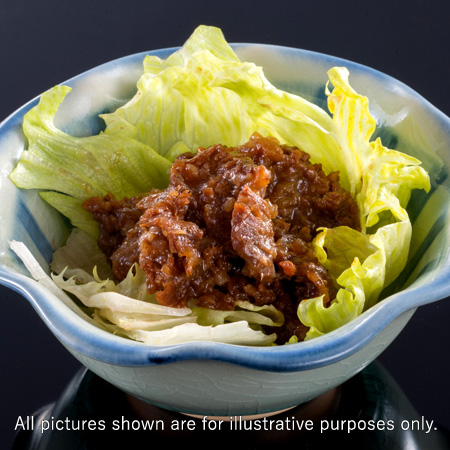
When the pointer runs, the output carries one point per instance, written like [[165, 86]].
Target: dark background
[[44, 43]]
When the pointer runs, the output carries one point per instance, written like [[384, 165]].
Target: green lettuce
[[69, 169], [363, 263], [199, 96]]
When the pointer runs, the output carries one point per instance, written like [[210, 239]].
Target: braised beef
[[233, 224]]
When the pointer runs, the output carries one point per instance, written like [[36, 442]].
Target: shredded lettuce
[[233, 333], [266, 315], [199, 96]]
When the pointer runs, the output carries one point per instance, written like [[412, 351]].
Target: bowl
[[214, 379]]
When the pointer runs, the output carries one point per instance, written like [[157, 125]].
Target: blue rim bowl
[[406, 121]]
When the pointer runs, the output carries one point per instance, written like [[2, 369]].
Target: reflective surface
[[370, 411]]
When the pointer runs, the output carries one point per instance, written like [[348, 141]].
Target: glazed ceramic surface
[[219, 379]]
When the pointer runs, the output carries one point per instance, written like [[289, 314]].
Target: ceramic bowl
[[213, 379]]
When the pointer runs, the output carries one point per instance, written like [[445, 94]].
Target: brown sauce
[[233, 224]]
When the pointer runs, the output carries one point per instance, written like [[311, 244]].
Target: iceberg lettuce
[[69, 169], [199, 96], [363, 263]]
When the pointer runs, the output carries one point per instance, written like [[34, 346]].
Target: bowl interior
[[406, 122]]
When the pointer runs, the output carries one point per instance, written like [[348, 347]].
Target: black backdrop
[[44, 43]]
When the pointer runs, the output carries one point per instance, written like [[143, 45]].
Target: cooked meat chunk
[[118, 235], [252, 234]]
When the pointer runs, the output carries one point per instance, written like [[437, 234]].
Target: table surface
[[45, 43]]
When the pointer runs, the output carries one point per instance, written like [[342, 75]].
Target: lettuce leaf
[[198, 98], [363, 263], [232, 333], [72, 168], [266, 315]]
